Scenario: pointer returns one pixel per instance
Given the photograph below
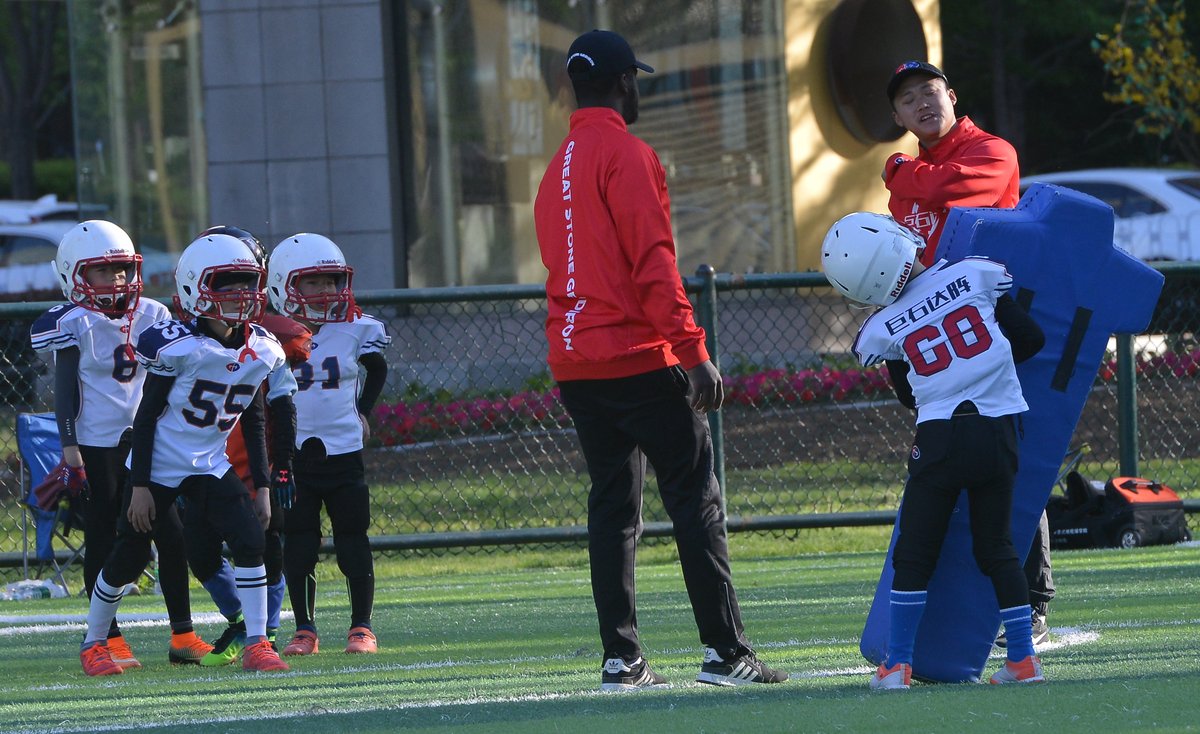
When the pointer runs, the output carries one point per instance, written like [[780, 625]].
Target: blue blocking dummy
[[1058, 246]]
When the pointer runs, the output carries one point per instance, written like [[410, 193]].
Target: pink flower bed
[[407, 422]]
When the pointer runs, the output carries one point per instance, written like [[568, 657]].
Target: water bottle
[[27, 589]]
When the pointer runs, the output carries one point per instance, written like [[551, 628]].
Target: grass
[[506, 642]]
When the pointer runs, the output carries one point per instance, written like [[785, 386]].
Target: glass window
[[1125, 201], [138, 121], [1189, 186], [30, 250], [491, 102]]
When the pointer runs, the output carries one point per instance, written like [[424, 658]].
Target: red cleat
[[361, 640], [97, 661], [304, 642], [261, 656]]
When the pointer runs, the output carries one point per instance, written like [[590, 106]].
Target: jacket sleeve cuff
[[691, 355]]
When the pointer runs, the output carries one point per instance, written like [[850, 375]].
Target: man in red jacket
[[958, 165], [632, 368]]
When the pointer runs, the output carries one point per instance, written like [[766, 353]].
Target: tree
[[32, 47], [1023, 70], [1150, 61]]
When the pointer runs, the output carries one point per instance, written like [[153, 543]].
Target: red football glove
[[75, 479]]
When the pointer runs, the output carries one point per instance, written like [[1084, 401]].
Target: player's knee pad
[[123, 567], [246, 551], [203, 566], [353, 555], [300, 553]]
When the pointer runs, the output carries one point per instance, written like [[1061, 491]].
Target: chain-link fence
[[471, 447]]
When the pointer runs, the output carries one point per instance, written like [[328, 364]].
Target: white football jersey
[[110, 381], [329, 383], [944, 325], [212, 388]]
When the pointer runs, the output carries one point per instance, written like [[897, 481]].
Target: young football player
[[309, 280], [296, 341], [97, 387], [204, 376], [294, 338], [950, 336]]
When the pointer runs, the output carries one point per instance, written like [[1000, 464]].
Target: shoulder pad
[[161, 334], [50, 320]]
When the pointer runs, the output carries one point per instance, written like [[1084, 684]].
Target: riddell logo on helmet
[[901, 280]]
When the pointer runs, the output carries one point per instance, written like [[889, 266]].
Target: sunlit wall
[[415, 133]]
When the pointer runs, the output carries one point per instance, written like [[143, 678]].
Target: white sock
[[252, 592], [102, 609]]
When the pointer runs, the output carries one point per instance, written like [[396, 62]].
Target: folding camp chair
[[39, 450]]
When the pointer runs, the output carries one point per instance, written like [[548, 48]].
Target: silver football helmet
[[869, 257], [304, 255], [98, 243], [219, 277]]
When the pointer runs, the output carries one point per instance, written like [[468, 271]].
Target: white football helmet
[[869, 257], [97, 242], [303, 255], [206, 270]]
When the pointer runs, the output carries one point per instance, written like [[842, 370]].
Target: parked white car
[[26, 263], [1157, 209], [45, 209]]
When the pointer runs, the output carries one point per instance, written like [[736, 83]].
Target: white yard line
[[33, 624], [1062, 637]]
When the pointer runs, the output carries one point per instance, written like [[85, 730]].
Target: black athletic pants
[[107, 501], [621, 423], [216, 509], [337, 483], [1037, 568], [978, 454]]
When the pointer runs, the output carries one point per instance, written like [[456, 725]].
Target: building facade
[[414, 132]]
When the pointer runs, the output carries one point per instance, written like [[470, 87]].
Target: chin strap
[[353, 312], [247, 354], [128, 329]]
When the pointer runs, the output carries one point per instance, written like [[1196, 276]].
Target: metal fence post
[[1127, 429], [707, 312]]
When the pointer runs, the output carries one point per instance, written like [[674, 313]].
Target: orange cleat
[[261, 656], [121, 654], [1028, 670], [188, 649], [897, 677], [361, 640], [304, 642], [97, 660]]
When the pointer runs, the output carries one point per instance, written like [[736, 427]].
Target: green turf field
[[506, 642]]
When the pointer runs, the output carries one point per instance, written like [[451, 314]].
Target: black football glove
[[283, 488]]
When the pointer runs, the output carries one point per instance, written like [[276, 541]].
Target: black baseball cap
[[601, 53], [907, 69]]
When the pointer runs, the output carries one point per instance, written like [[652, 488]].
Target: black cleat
[[741, 669], [620, 676]]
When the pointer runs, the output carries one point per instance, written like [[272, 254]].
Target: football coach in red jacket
[[632, 368]]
